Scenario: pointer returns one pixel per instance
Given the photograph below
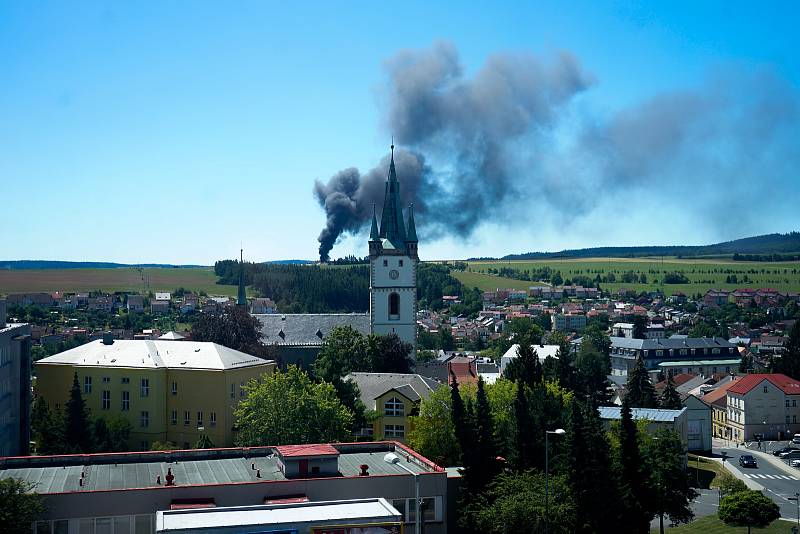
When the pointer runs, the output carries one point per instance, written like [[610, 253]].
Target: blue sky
[[173, 131]]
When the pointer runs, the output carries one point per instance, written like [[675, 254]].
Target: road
[[778, 483]]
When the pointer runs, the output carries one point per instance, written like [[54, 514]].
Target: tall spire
[[411, 234], [392, 225], [373, 233], [242, 297]]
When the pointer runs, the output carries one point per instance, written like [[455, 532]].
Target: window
[[794, 404], [394, 407], [241, 389], [174, 388], [794, 419], [106, 379], [787, 418], [394, 305], [199, 419], [400, 263], [87, 384], [787, 403], [385, 263], [126, 401], [714, 351], [144, 420], [106, 399], [659, 353], [173, 418], [428, 506], [125, 380], [682, 352], [395, 431], [233, 391], [213, 418], [144, 390], [766, 390], [187, 417]]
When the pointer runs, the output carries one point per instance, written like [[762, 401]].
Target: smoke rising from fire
[[496, 142]]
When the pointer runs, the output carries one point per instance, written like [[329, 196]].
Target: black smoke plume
[[481, 147]]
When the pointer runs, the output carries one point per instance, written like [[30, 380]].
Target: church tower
[[393, 267]]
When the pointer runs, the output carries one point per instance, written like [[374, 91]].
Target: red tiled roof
[[788, 385], [719, 396], [289, 451]]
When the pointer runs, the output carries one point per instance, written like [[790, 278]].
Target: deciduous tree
[[749, 509], [19, 506]]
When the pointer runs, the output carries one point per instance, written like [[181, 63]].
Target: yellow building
[[394, 397], [168, 390]]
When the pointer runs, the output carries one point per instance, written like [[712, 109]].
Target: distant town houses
[[263, 305]]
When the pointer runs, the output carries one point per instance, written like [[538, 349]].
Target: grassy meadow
[[110, 280], [703, 274]]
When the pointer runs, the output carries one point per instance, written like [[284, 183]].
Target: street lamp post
[[392, 458], [557, 432]]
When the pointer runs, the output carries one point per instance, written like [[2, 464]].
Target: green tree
[[485, 449], [19, 506], [789, 362], [289, 408], [592, 368], [234, 328], [588, 467], [669, 477], [101, 435], [432, 432], [639, 327], [749, 509], [639, 389], [634, 481], [745, 362], [204, 442], [343, 350], [389, 354], [515, 503], [525, 368], [670, 398], [119, 433], [77, 432], [47, 428]]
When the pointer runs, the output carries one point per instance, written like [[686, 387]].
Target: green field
[[110, 280], [712, 525], [488, 282], [703, 274]]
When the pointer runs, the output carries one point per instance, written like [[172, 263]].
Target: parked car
[[796, 438], [747, 460], [778, 452], [791, 455], [796, 463]]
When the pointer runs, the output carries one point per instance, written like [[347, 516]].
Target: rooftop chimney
[[2, 313], [108, 338]]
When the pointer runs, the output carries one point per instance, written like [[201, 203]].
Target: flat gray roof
[[62, 474]]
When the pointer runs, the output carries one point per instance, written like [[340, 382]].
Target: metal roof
[[671, 343], [307, 328], [154, 354], [62, 474], [651, 414], [697, 362]]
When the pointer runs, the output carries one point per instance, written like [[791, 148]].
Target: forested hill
[[340, 289], [57, 264], [763, 245]]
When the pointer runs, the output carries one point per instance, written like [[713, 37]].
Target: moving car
[[747, 460], [778, 452]]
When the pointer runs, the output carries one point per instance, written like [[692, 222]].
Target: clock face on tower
[[393, 274]]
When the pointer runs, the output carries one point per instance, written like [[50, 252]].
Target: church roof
[[412, 227], [373, 232], [307, 329], [392, 226]]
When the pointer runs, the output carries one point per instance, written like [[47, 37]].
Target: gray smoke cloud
[[496, 144]]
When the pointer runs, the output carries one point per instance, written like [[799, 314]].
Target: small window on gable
[[385, 263], [766, 390], [400, 263]]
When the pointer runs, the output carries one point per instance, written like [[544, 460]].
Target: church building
[[393, 263]]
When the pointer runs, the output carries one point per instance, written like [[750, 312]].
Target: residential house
[[717, 400], [571, 322], [135, 304], [764, 406], [163, 296], [263, 305], [698, 424], [625, 351], [15, 386], [542, 351], [168, 391], [159, 306], [715, 298], [393, 397], [104, 303]]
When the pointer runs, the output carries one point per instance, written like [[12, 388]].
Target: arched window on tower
[[394, 306]]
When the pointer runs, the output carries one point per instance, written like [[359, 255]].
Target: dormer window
[[282, 335], [394, 407], [319, 333]]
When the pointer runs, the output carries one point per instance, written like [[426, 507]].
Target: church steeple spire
[[373, 233], [242, 297], [411, 231], [392, 225]]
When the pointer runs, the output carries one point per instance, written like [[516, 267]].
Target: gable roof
[[719, 396], [307, 329], [305, 451], [790, 386], [373, 385]]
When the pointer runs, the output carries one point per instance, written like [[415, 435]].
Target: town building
[[718, 401], [393, 263], [542, 351], [568, 322], [168, 391], [625, 351], [262, 305], [394, 397], [698, 424], [123, 492], [15, 385], [135, 304], [657, 419], [763, 406]]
